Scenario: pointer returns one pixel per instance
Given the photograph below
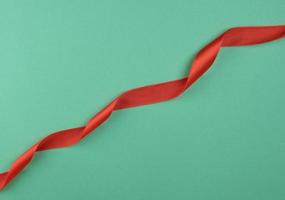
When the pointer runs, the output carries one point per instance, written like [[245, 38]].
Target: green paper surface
[[62, 61]]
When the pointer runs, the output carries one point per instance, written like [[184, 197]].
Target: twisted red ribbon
[[149, 94]]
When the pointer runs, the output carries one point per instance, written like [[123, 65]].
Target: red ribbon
[[148, 94]]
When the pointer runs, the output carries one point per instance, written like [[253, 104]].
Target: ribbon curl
[[150, 94]]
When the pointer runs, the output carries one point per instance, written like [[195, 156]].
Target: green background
[[63, 60]]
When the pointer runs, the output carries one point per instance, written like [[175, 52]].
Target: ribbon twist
[[151, 94]]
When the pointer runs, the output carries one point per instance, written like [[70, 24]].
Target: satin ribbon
[[151, 94]]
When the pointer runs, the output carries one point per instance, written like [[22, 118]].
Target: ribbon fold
[[238, 36]]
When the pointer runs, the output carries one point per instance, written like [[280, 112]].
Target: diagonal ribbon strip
[[151, 94]]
